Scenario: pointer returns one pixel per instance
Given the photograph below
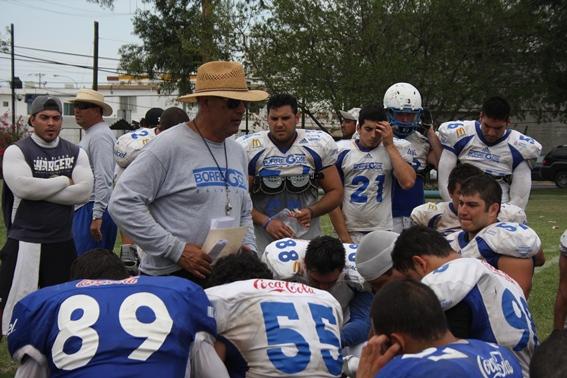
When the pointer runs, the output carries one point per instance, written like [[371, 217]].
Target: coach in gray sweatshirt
[[189, 175]]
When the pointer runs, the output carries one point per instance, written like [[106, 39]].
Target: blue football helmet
[[402, 102]]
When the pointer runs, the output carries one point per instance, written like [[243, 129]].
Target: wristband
[[266, 223]]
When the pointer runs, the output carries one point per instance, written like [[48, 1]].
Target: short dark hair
[[496, 107], [410, 307], [372, 112], [98, 263], [460, 173], [418, 241], [487, 188], [171, 117], [550, 359], [282, 99], [239, 266], [325, 254]]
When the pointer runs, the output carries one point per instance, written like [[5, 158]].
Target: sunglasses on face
[[233, 104], [84, 105]]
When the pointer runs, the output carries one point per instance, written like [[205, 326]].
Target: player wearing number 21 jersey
[[281, 329], [136, 327], [367, 168]]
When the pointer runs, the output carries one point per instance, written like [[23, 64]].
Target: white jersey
[[344, 144], [465, 140], [498, 239], [287, 179], [285, 257], [129, 145], [500, 312], [420, 147], [367, 178], [281, 329], [443, 217], [563, 244]]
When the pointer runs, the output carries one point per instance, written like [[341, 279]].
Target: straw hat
[[93, 97], [223, 79]]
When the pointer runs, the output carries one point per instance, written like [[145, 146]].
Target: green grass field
[[545, 214]]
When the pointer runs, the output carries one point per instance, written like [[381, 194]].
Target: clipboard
[[223, 241]]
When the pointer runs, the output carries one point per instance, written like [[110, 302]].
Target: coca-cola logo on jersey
[[283, 286], [126, 281]]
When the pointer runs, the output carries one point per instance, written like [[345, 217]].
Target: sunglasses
[[233, 104], [84, 105]]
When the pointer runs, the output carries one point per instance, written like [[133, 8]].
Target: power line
[[88, 14], [42, 60], [65, 53]]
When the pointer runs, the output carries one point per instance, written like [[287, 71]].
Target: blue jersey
[[464, 359], [140, 326]]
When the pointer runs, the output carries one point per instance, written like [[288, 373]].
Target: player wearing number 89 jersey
[[138, 326]]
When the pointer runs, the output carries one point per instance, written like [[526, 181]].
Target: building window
[[68, 109], [5, 104]]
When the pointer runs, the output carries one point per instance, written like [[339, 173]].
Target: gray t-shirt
[[98, 142], [169, 194]]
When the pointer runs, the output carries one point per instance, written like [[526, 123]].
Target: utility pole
[[95, 57], [13, 82]]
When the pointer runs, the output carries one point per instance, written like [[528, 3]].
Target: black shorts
[[54, 266]]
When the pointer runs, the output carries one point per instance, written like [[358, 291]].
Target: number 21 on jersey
[[358, 196]]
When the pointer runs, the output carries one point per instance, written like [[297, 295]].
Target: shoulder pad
[[506, 238], [527, 146], [284, 257], [253, 142], [320, 142], [453, 131], [351, 273], [452, 281], [512, 213], [129, 145], [406, 149], [422, 214]]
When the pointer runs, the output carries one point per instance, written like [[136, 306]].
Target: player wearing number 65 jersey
[[278, 328], [114, 327], [480, 302], [367, 169]]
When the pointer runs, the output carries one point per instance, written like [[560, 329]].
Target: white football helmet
[[403, 98]]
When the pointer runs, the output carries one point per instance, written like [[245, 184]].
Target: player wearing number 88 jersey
[[138, 326], [284, 258]]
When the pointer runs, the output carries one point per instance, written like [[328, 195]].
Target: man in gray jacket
[[188, 176]]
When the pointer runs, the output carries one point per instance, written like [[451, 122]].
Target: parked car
[[553, 167]]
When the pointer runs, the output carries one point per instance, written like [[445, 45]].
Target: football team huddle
[[405, 288]]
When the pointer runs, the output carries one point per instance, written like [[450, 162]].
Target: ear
[[420, 265], [297, 116], [493, 210], [398, 338]]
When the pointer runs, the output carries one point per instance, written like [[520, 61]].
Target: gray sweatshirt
[[169, 194], [98, 142]]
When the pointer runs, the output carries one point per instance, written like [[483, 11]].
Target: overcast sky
[[64, 26]]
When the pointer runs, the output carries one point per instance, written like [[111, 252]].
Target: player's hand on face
[[303, 216], [195, 261], [386, 132], [375, 355], [278, 229], [96, 234]]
